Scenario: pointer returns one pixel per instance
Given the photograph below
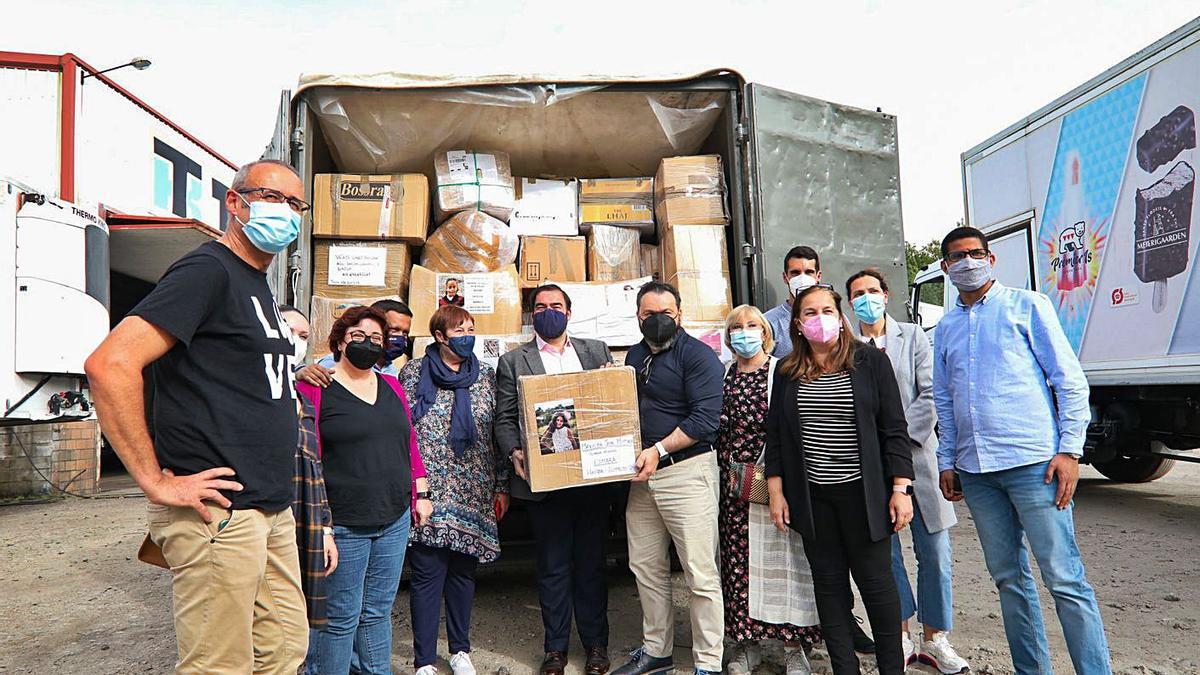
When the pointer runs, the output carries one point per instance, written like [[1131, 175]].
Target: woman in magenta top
[[376, 484]]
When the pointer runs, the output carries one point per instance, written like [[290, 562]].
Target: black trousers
[[841, 545], [441, 573], [571, 530]]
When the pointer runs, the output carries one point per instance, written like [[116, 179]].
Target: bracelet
[[662, 450], [328, 531], [423, 495]]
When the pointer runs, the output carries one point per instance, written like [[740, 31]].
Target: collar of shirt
[[544, 346], [991, 293]]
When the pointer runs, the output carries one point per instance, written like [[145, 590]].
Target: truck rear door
[[827, 176]]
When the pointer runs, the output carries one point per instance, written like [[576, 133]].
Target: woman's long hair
[[801, 364]]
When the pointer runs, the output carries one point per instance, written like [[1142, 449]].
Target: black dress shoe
[[863, 644], [641, 663], [554, 663], [597, 661]]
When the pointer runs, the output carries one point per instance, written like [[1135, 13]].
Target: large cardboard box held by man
[[547, 259], [492, 298], [358, 269], [579, 428], [371, 206]]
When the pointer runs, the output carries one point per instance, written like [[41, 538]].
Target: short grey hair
[[240, 179]]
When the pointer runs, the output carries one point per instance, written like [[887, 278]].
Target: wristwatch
[[329, 532], [662, 450], [903, 489], [423, 495]]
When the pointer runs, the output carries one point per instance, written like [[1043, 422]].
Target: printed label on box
[[605, 457], [475, 293], [357, 266], [462, 169]]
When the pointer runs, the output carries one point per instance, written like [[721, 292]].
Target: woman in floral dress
[[453, 398], [781, 607]]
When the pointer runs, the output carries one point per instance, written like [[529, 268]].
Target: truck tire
[[1140, 469]]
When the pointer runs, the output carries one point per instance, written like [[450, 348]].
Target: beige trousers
[[679, 504], [238, 604]]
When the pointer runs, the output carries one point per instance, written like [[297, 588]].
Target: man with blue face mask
[[907, 347], [218, 471], [571, 526], [1012, 410]]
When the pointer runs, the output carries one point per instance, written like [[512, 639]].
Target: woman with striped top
[[839, 471]]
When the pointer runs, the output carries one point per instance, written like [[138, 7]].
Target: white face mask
[[301, 347], [800, 282]]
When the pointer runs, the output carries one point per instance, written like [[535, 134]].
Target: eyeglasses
[[361, 336], [277, 197], [976, 253], [644, 373]]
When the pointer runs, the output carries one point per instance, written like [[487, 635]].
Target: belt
[[681, 455]]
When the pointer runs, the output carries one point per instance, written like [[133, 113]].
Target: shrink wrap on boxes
[[469, 180], [470, 241], [690, 191], [614, 253], [695, 262]]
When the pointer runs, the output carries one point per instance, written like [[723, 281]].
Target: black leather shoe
[[554, 663], [597, 661], [641, 663], [863, 644]]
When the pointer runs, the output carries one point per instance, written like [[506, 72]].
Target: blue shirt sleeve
[[943, 401], [1061, 367], [704, 389]]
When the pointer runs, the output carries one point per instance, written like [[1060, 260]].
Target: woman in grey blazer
[[908, 348]]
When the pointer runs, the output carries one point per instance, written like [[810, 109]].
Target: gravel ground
[[79, 602]]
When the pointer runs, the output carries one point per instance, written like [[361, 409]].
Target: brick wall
[[67, 454]]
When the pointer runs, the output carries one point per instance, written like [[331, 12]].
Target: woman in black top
[[369, 452], [839, 454]]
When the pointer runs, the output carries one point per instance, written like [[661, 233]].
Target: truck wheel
[[1140, 469]]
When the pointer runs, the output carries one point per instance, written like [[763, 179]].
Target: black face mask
[[659, 330], [363, 355]]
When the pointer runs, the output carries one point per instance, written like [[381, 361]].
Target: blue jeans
[[361, 592], [1015, 503], [934, 604]]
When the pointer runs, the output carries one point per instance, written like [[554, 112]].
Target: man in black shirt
[[674, 496], [218, 473]]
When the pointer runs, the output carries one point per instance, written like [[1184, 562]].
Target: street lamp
[[138, 63]]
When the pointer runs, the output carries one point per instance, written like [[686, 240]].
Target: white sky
[[953, 72]]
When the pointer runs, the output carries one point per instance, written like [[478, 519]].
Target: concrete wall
[[67, 454]]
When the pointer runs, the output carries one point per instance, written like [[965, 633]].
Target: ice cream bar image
[[1163, 142], [1162, 224]]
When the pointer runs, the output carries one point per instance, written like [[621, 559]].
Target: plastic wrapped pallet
[[357, 269], [470, 241], [627, 202], [324, 311], [690, 191], [492, 298], [579, 428], [614, 253], [470, 180], [651, 262], [695, 261]]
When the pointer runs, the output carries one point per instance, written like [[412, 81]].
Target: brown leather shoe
[[554, 663], [597, 661]]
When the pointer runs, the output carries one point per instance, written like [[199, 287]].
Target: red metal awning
[[144, 246]]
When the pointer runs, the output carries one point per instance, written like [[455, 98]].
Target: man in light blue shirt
[[801, 269], [1001, 364]]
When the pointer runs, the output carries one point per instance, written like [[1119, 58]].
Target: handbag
[[749, 482]]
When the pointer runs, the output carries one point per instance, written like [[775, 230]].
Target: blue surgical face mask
[[271, 226], [869, 307], [550, 323], [462, 345], [747, 342], [970, 274], [397, 346]]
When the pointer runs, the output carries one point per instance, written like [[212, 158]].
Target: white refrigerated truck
[[1090, 200]]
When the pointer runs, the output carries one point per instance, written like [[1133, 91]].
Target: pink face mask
[[821, 328]]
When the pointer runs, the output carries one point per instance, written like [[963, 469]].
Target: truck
[[1089, 200]]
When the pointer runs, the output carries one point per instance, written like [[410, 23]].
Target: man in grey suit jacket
[[908, 349], [570, 526]]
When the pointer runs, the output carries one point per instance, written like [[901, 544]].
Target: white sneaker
[[427, 670], [461, 664], [795, 662], [910, 650], [746, 657], [939, 654]]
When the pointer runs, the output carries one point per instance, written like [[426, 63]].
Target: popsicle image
[[1072, 240], [1163, 142], [1162, 226]]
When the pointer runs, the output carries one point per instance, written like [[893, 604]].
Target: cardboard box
[[651, 262], [695, 261], [712, 334], [605, 311], [492, 298], [371, 206], [690, 191], [546, 206], [556, 259], [488, 348], [628, 202], [358, 269], [614, 253], [470, 180], [599, 411], [470, 241], [324, 311]]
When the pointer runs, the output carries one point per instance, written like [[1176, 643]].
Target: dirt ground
[[78, 601]]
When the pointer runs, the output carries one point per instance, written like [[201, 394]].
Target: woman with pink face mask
[[839, 471]]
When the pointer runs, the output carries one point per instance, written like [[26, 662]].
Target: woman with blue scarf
[[453, 399]]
